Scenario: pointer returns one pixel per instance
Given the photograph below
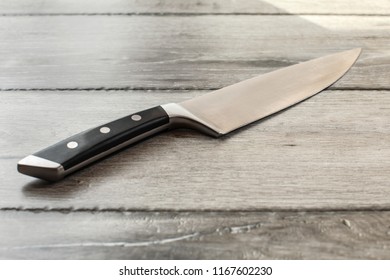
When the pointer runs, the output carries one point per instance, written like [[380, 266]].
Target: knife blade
[[216, 114]]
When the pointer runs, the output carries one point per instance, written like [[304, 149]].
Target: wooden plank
[[328, 152], [377, 7], [196, 52], [224, 235]]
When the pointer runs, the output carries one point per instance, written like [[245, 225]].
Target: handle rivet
[[72, 145], [136, 118], [104, 129]]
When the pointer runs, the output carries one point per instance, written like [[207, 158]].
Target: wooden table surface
[[312, 182]]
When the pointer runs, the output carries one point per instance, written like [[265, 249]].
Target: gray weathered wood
[[377, 7], [123, 235], [331, 151], [182, 52]]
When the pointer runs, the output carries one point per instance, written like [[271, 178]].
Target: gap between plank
[[140, 210], [165, 89], [185, 14]]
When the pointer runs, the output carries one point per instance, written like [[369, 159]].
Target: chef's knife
[[216, 113]]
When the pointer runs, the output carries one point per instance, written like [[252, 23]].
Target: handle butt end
[[41, 168]]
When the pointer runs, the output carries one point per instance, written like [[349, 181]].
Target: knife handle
[[73, 153]]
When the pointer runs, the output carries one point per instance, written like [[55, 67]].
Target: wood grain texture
[[222, 235], [190, 52], [331, 151], [376, 7], [204, 198]]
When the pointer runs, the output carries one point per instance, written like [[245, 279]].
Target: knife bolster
[[179, 117]]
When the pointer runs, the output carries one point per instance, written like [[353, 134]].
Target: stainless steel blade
[[237, 105]]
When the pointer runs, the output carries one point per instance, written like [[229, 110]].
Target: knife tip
[[351, 55], [355, 51]]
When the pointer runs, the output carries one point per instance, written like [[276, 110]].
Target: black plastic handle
[[83, 148]]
